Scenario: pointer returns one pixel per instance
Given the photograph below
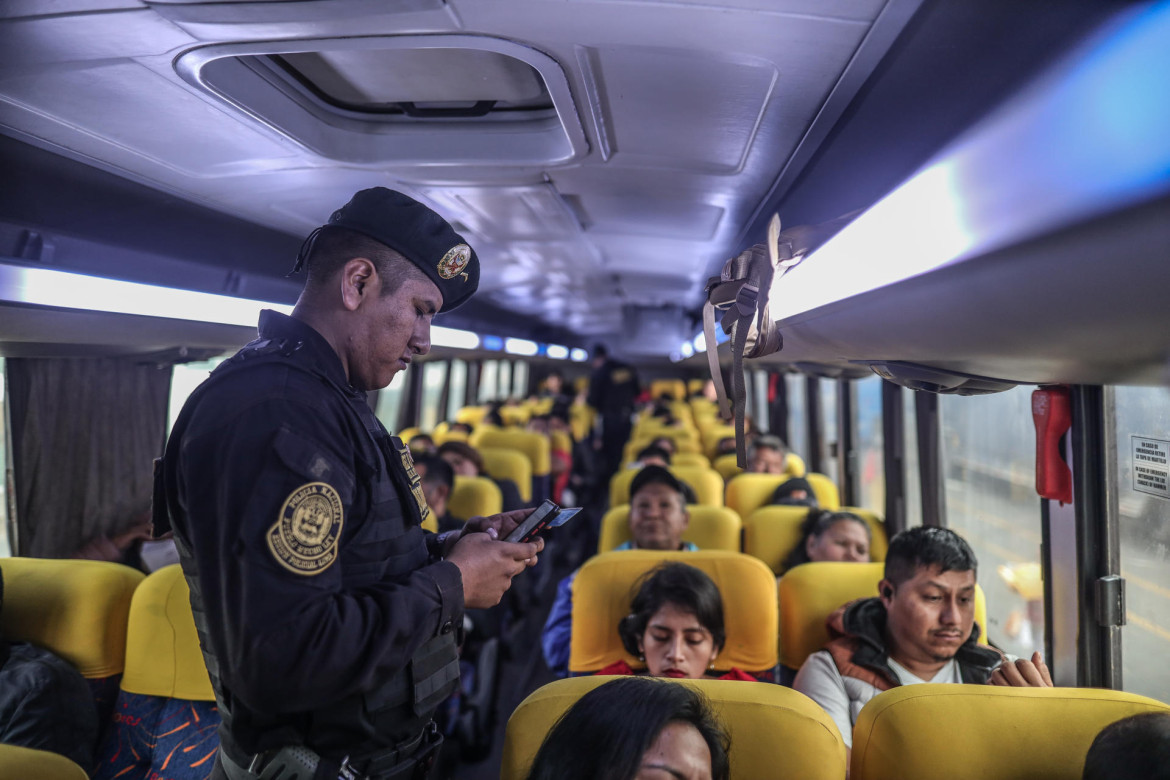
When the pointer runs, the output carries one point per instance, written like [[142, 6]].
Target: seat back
[[775, 731], [771, 532], [706, 483], [985, 731], [710, 528], [534, 446], [473, 497], [809, 593], [503, 463], [748, 492], [472, 415], [675, 388], [712, 430], [166, 721], [604, 585], [21, 762]]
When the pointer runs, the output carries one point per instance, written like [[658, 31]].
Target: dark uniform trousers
[[327, 620]]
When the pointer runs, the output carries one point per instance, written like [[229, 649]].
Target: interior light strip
[[453, 337], [579, 355], [1093, 135], [557, 352], [521, 347]]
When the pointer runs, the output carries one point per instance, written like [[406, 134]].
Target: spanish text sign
[[1151, 466]]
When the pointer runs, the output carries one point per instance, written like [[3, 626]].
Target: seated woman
[[675, 625], [627, 729], [831, 536]]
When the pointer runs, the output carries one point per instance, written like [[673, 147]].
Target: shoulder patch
[[304, 538], [455, 261]]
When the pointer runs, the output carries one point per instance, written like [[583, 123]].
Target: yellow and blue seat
[[710, 528], [22, 762]]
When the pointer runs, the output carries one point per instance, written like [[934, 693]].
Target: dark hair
[[673, 445], [927, 547], [599, 350], [784, 491], [436, 471], [493, 416], [333, 247], [657, 475], [673, 583], [463, 450], [654, 451], [461, 426], [816, 522], [1137, 746], [605, 734]]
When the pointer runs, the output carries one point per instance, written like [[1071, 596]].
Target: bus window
[[488, 389], [5, 543], [829, 428], [870, 467], [1143, 439], [185, 377], [759, 410], [797, 422], [390, 400], [988, 453], [458, 382], [434, 375], [910, 461], [505, 379], [520, 380]]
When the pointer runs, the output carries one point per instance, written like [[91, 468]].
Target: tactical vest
[[400, 707]]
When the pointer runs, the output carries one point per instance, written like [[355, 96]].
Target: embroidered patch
[[304, 538], [415, 481], [455, 261]]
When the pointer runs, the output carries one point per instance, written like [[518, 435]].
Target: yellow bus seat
[[504, 463], [448, 435], [472, 415], [406, 434], [706, 484], [21, 762], [809, 593], [712, 431], [534, 446], [710, 528], [985, 731], [559, 440], [748, 492], [602, 592], [727, 466], [165, 720], [581, 418], [675, 388], [695, 386], [771, 532], [775, 732], [638, 443], [431, 523], [515, 415], [474, 497]]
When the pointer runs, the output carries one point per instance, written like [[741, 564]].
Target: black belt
[[410, 760]]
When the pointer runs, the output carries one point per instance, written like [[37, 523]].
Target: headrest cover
[[418, 234]]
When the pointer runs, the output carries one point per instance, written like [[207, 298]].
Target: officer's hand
[[488, 565], [1023, 673], [503, 523]]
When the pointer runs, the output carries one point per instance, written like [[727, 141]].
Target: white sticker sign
[[1151, 466]]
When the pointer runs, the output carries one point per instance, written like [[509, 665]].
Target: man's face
[[390, 330], [930, 615], [657, 518], [767, 461]]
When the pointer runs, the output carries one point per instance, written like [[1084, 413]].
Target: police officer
[[327, 616], [613, 389]]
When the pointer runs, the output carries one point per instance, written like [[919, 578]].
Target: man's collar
[[274, 325]]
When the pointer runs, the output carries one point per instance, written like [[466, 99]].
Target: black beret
[[651, 475], [418, 234]]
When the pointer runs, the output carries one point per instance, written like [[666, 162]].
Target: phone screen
[[541, 520]]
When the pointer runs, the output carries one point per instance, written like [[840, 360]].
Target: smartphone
[[547, 515]]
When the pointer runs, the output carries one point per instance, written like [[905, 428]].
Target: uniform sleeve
[[819, 680], [290, 640], [556, 639]]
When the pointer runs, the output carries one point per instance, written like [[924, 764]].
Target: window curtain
[[85, 432]]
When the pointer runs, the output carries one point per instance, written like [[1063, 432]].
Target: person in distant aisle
[[554, 388], [613, 390], [468, 462], [45, 703], [560, 460], [438, 483], [920, 629], [675, 625], [1133, 748], [767, 455], [658, 517], [831, 536]]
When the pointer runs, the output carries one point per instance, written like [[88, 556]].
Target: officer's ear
[[358, 278]]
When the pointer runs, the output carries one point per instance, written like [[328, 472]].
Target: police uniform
[[327, 617], [613, 388]]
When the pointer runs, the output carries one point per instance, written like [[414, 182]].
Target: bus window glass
[[5, 542], [503, 392], [988, 461], [458, 383], [185, 377], [829, 428], [520, 380], [910, 461], [1143, 503], [434, 375], [797, 415], [759, 381], [390, 400], [871, 469], [487, 381]]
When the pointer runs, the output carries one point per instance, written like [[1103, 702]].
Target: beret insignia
[[454, 261]]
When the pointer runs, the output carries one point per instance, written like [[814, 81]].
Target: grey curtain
[[84, 434]]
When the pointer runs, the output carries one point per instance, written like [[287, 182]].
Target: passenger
[[421, 445], [767, 455], [123, 547], [658, 517], [652, 455], [460, 427], [920, 629], [45, 703], [438, 483], [725, 446], [635, 728], [554, 388], [493, 416], [831, 536], [613, 388], [675, 625], [329, 614], [1137, 747], [795, 491], [468, 462], [666, 443]]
